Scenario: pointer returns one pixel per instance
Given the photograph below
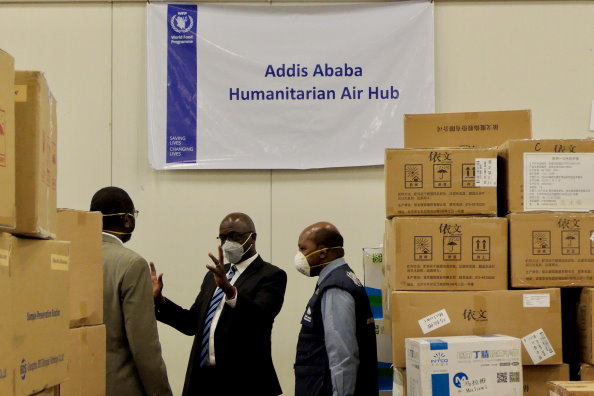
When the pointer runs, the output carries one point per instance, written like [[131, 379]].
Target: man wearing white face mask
[[231, 318], [336, 349]]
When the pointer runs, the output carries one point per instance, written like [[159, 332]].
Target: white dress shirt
[[240, 267]]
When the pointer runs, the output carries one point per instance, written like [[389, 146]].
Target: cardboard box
[[487, 365], [557, 175], [531, 315], [476, 129], [551, 249], [536, 378], [86, 362], [441, 182], [586, 372], [83, 231], [53, 391], [38, 310], [446, 253], [36, 153], [7, 150], [6, 364], [571, 388], [585, 325], [373, 276]]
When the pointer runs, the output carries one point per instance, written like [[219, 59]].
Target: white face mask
[[302, 264], [234, 251]]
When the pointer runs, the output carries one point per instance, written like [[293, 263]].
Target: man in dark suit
[[231, 318]]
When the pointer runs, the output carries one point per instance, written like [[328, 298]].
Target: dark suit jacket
[[242, 336]]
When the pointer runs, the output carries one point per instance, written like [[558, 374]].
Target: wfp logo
[[23, 369], [439, 359], [459, 379], [182, 22]]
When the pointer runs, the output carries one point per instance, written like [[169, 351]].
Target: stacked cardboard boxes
[[40, 258], [86, 337], [447, 268], [548, 197]]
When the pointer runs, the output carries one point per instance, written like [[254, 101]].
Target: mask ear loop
[[319, 265]]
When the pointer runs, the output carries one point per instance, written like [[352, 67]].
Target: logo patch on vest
[[307, 315], [354, 278]]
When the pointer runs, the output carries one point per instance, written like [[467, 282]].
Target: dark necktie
[[215, 301]]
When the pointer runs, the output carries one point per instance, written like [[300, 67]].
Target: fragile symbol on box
[[452, 248], [481, 248], [468, 175], [423, 248], [442, 176], [538, 346], [413, 176], [570, 242], [541, 242]]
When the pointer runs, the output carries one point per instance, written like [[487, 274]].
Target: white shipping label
[[485, 172], [553, 393], [538, 346], [559, 181], [4, 257], [434, 321], [540, 300], [59, 262]]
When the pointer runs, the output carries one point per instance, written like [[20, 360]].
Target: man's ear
[[128, 222], [323, 253]]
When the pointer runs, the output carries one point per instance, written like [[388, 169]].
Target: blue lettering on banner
[[181, 83]]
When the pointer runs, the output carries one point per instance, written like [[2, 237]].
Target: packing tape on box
[[20, 93]]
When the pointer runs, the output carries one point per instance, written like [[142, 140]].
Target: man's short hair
[[111, 200], [328, 238]]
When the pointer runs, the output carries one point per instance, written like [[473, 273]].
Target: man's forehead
[[236, 224]]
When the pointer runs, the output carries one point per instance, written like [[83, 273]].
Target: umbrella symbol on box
[[441, 172], [451, 244], [570, 238]]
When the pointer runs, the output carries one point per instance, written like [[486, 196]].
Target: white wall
[[490, 55]]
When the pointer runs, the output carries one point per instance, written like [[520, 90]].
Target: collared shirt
[[113, 236], [340, 333], [240, 267]]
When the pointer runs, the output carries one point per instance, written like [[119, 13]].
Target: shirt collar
[[113, 236], [242, 265], [330, 267]]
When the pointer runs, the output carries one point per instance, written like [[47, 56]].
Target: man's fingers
[[221, 255], [153, 270], [213, 258], [160, 278]]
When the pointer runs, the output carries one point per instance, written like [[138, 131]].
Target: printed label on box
[[485, 172], [538, 346], [59, 262], [558, 181], [553, 393], [537, 300], [434, 321]]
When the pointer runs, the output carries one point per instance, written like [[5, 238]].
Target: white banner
[[285, 87]]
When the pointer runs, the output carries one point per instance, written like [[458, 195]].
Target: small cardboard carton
[[7, 138], [548, 174], [441, 182], [534, 316], [482, 365], [36, 156], [38, 284], [551, 249], [571, 388], [474, 129], [446, 253], [536, 378], [83, 231], [86, 362]]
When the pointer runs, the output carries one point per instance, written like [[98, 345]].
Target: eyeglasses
[[134, 214], [233, 236]]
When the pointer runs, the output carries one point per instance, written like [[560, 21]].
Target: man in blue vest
[[336, 350]]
